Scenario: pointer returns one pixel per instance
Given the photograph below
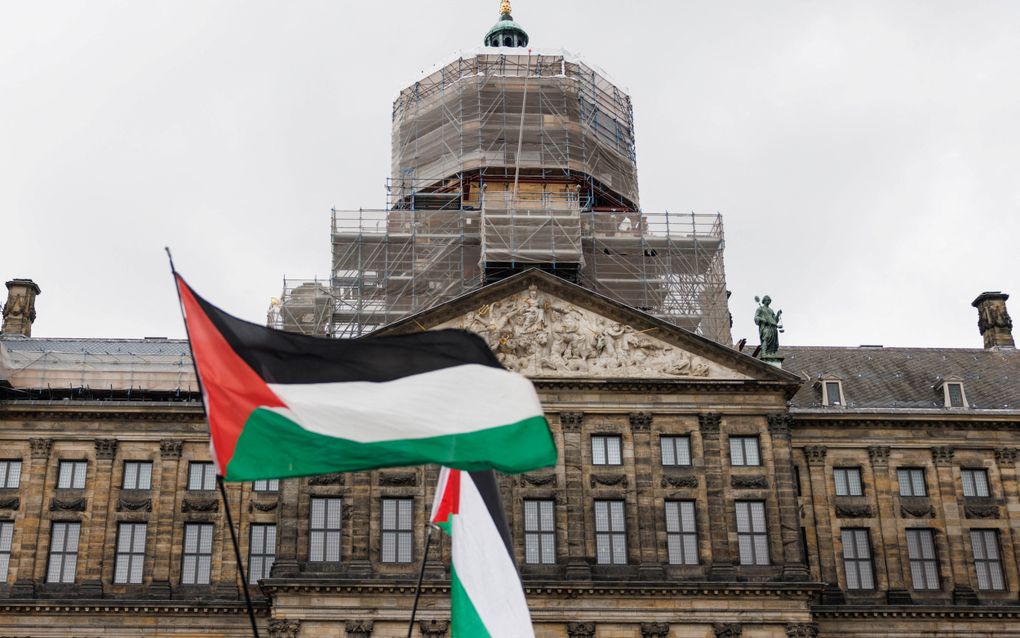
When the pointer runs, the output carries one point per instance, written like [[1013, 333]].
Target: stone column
[[959, 580], [886, 491], [647, 519], [229, 579], [722, 560], [1005, 458], [817, 476], [360, 524], [95, 536], [286, 563], [578, 563], [165, 505], [31, 524], [794, 568]]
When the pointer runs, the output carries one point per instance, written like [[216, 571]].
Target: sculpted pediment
[[543, 336]]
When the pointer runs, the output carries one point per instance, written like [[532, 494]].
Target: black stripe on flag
[[485, 483], [285, 357]]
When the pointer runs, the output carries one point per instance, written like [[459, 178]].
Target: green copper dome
[[506, 32]]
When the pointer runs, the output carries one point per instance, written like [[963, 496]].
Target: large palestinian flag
[[486, 595], [281, 404]]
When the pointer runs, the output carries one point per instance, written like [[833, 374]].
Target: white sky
[[865, 155]]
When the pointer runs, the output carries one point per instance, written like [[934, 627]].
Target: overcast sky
[[865, 155]]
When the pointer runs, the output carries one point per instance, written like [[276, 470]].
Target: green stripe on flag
[[273, 446], [464, 619]]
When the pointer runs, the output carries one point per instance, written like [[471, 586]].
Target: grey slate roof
[[147, 346], [875, 377]]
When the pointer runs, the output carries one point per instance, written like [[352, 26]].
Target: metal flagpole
[[219, 479], [421, 575]]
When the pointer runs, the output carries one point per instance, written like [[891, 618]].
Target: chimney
[[19, 311], [993, 320]]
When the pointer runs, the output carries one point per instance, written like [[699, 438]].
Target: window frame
[[325, 530], [198, 554], [137, 476], [985, 534], [947, 394], [848, 484], [910, 472], [6, 545], [391, 537], [614, 540], [204, 480], [75, 465], [672, 442], [132, 556], [542, 540], [263, 552], [63, 552], [921, 562], [682, 538], [744, 440], [751, 538], [604, 439], [268, 486], [826, 383], [5, 474], [973, 473], [851, 559]]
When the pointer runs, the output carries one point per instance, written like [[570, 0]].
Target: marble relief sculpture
[[542, 336]]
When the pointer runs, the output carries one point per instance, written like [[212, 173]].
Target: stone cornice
[[905, 421], [915, 611], [100, 411], [64, 606], [663, 386]]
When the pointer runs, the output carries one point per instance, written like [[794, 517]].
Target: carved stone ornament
[[1006, 455], [879, 455], [539, 335], [106, 449], [709, 423], [359, 628], [433, 628], [170, 448], [12, 503], [854, 510], [654, 630], [284, 628], [690, 481], [399, 479], [802, 630], [200, 505], [815, 454], [749, 482], [336, 478], [619, 480], [980, 510], [41, 448], [779, 424], [571, 421], [919, 508], [134, 504], [640, 421], [942, 455], [581, 629], [525, 480], [68, 505], [728, 630], [257, 506]]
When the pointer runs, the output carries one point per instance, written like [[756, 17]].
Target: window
[[924, 567], [539, 533], [975, 482], [130, 553], [610, 533], [396, 530], [751, 533], [911, 482], [201, 476], [744, 450], [605, 450], [848, 481], [857, 559], [832, 393], [10, 474], [197, 560], [987, 562], [954, 395], [676, 450], [270, 485], [137, 475], [324, 537], [681, 533], [261, 552], [63, 552], [6, 537], [71, 475]]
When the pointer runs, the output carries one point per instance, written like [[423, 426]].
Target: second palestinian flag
[[281, 404]]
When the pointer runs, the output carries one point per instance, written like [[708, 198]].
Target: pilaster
[[95, 533], [1006, 458], [722, 560], [162, 541], [794, 568], [578, 564], [647, 520], [818, 477], [886, 491], [31, 524], [957, 561]]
